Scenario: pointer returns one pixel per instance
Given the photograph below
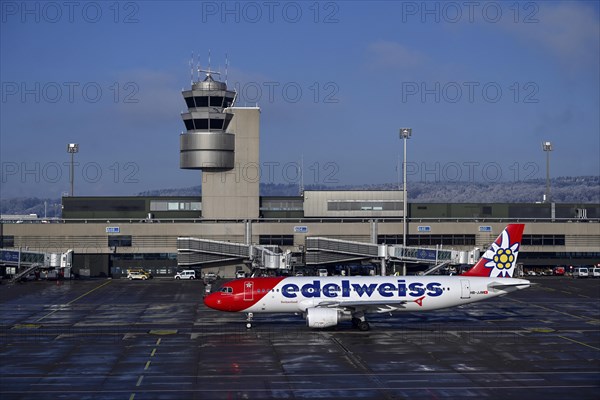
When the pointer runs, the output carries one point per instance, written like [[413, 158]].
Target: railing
[[296, 220]]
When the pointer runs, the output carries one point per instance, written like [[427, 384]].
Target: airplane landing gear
[[249, 317], [359, 321], [363, 326]]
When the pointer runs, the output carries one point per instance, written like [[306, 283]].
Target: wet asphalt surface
[[119, 339]]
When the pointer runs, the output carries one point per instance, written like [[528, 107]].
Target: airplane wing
[[505, 286], [367, 306]]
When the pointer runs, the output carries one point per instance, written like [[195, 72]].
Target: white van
[[322, 272], [186, 274], [581, 272], [595, 272]]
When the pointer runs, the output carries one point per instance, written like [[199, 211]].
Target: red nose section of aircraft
[[240, 294]]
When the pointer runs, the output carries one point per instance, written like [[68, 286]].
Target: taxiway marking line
[[551, 309], [578, 342], [146, 367], [73, 301]]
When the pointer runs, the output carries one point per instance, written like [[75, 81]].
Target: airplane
[[326, 301]]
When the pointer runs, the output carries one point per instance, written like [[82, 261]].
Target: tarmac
[[155, 339]]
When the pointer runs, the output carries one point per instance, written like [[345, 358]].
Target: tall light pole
[[547, 147], [405, 133], [72, 148]]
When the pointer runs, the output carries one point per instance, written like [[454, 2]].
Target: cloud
[[148, 95], [394, 55], [570, 31]]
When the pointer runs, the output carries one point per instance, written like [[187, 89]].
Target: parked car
[[186, 274], [322, 272], [240, 274], [210, 277], [595, 272], [136, 275], [558, 271], [581, 272], [140, 271]]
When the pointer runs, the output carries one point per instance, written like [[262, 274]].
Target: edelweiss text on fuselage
[[387, 289]]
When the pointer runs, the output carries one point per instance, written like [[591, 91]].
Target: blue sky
[[481, 85]]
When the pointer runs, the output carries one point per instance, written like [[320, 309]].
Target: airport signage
[[426, 228], [301, 229], [9, 256], [113, 229], [485, 228]]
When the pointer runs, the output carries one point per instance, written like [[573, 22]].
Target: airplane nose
[[210, 301], [213, 301]]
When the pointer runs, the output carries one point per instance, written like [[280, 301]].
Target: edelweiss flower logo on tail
[[501, 257]]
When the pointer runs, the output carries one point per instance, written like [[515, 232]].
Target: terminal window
[[282, 205], [175, 205], [278, 240], [119, 241], [543, 240], [7, 241], [362, 205]]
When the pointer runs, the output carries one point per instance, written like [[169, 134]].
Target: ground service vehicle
[[581, 272], [186, 274]]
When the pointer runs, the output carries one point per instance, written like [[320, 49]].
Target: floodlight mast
[[72, 148], [547, 147], [405, 133]]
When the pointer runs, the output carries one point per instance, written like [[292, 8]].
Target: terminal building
[[231, 227]]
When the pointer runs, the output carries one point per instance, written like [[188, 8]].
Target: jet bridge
[[204, 252], [22, 262], [320, 250]]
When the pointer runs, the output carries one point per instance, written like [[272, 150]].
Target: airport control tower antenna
[[226, 66], [192, 69], [301, 175]]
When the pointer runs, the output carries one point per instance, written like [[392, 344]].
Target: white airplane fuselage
[[392, 293], [324, 301]]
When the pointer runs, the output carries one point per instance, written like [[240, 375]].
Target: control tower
[[223, 142]]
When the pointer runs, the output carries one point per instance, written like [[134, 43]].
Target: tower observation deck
[[206, 145]]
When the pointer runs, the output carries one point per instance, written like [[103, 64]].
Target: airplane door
[[465, 292], [249, 291]]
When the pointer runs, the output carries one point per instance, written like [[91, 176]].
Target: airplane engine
[[321, 317]]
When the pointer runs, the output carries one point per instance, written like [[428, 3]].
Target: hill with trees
[[582, 189]]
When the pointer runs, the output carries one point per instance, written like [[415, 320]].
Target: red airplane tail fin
[[500, 259]]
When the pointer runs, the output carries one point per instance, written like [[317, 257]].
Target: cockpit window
[[226, 289]]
